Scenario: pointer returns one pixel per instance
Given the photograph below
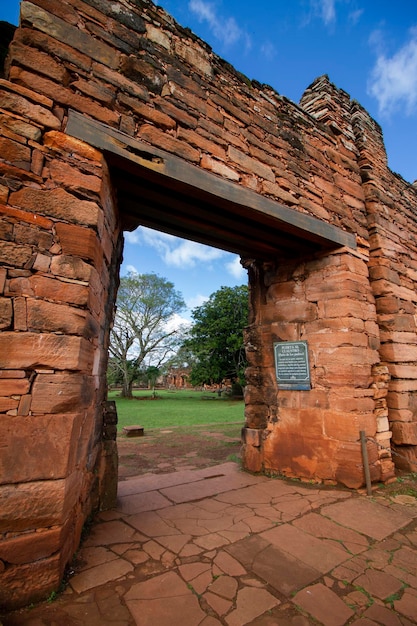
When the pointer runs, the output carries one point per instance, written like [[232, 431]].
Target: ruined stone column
[[59, 254], [315, 434]]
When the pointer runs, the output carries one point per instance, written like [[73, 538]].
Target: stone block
[[205, 145], [24, 233], [397, 352], [346, 307], [6, 313], [39, 504], [248, 164], [23, 584], [167, 142], [30, 546], [42, 263], [349, 401], [108, 470], [46, 316], [382, 424], [293, 311], [403, 371], [335, 338], [400, 386], [20, 128], [24, 404], [278, 192], [14, 254], [133, 431], [218, 167], [117, 79], [240, 113], [252, 458], [58, 204], [193, 54], [34, 112], [257, 416], [400, 415], [79, 241], [3, 274], [73, 178], [387, 304], [346, 427], [12, 374], [28, 217], [67, 34], [147, 112], [38, 61], [404, 433], [14, 386], [349, 464], [15, 152], [158, 36], [52, 288], [398, 323], [8, 404], [61, 392], [67, 145], [137, 69], [71, 267], [30, 350], [405, 457], [252, 436], [26, 438]]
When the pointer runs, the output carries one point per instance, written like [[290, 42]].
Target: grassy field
[[176, 408]]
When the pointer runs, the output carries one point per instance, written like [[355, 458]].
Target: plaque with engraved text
[[291, 365]]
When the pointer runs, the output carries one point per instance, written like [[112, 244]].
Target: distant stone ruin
[[113, 116]]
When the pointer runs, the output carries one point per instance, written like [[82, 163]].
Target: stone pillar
[[60, 248], [315, 434]]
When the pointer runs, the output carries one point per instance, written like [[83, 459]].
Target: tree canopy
[[215, 340], [141, 335]]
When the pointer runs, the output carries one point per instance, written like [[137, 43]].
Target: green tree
[[216, 337], [142, 335], [152, 374]]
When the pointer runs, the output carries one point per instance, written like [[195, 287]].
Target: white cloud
[[177, 322], [393, 81], [132, 269], [132, 237], [195, 301], [179, 252], [354, 16], [225, 29], [235, 268], [188, 253], [268, 50], [325, 10]]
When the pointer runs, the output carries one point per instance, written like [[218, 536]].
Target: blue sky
[[367, 47]]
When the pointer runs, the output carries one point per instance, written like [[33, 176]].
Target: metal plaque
[[291, 365]]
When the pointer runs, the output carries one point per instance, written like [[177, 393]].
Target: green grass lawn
[[176, 408]]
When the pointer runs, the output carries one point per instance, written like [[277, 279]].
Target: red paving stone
[[218, 547], [324, 605], [367, 517]]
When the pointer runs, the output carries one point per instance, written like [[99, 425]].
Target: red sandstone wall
[[136, 70], [391, 206], [58, 272]]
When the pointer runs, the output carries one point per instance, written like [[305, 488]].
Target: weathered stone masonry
[[128, 66]]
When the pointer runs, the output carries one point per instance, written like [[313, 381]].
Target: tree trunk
[[127, 385]]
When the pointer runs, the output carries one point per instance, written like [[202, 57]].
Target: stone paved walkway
[[218, 547]]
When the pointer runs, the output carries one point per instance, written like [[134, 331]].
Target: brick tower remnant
[[114, 116]]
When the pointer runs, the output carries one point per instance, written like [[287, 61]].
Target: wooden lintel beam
[[168, 166]]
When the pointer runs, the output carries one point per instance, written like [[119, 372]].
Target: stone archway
[[114, 116]]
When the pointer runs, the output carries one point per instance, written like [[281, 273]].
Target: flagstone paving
[[220, 547]]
